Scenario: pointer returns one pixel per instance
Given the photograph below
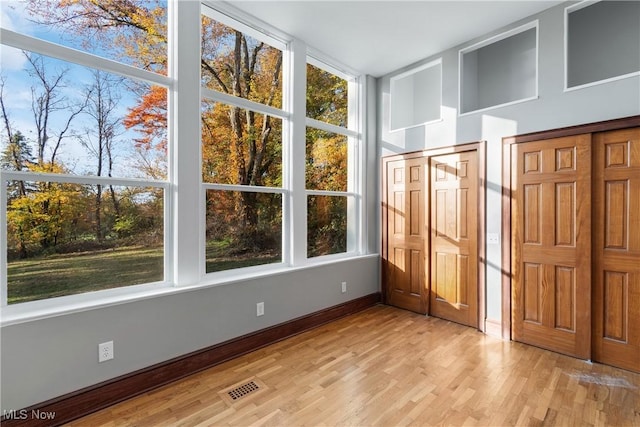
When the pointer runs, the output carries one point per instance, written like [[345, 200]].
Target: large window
[[241, 133], [331, 154], [93, 158], [84, 148]]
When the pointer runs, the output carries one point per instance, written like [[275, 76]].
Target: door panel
[[405, 266], [616, 307], [454, 237], [551, 240]]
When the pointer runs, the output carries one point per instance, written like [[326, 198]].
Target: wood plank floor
[[389, 367]]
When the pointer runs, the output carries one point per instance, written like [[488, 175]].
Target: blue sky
[[18, 94]]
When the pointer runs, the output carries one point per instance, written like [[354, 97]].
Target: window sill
[[38, 310]]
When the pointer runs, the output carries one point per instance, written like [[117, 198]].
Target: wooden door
[[616, 307], [551, 244], [454, 237], [405, 222]]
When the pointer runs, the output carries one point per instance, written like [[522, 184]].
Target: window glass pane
[[132, 32], [243, 229], [326, 160], [65, 239], [237, 64], [327, 97], [240, 147], [326, 225], [71, 119]]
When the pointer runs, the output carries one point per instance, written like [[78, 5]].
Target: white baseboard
[[493, 327]]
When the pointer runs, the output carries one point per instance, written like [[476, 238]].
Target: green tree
[[17, 156]]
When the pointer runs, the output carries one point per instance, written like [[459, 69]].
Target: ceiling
[[378, 37]]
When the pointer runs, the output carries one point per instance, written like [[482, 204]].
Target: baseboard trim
[[493, 328], [82, 402]]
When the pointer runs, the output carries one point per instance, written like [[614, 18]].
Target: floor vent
[[243, 390], [238, 391]]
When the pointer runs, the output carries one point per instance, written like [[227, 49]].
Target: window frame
[[409, 73], [532, 25], [77, 57], [184, 244], [283, 114], [567, 11], [355, 158]]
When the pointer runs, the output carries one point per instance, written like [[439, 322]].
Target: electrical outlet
[[344, 287], [260, 309], [105, 351]]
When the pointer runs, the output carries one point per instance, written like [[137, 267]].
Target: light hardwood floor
[[388, 367]]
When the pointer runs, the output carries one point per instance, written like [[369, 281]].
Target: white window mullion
[[243, 188], [169, 223], [81, 179], [247, 104], [187, 253], [330, 193], [3, 241], [354, 162], [297, 155], [328, 127], [53, 50]]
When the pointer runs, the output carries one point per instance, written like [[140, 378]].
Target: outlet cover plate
[[105, 351]]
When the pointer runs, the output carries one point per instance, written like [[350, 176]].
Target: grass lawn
[[218, 258], [68, 274]]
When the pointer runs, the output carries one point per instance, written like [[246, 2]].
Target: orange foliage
[[149, 117]]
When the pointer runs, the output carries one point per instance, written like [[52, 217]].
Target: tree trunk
[[98, 213]]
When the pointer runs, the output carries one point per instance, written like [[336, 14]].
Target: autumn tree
[[35, 214], [16, 156], [326, 165], [47, 100], [134, 32], [130, 31], [241, 146], [238, 146], [327, 97]]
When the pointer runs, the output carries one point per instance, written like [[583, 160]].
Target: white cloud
[[14, 16], [11, 58]]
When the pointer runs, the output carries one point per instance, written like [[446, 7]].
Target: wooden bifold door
[[575, 245], [432, 222]]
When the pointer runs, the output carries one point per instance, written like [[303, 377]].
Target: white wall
[[554, 108]]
